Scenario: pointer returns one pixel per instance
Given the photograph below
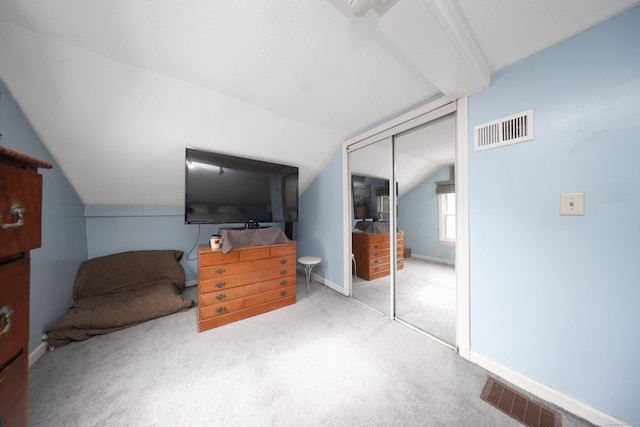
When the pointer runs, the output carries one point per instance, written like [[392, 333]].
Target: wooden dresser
[[244, 282], [373, 256], [20, 217]]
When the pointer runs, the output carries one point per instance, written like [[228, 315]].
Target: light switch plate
[[572, 204]]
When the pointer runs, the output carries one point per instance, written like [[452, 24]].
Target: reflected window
[[447, 209]]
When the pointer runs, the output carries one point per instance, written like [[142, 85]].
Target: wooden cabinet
[[244, 282], [20, 219], [373, 255]]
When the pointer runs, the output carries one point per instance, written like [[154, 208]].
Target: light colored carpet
[[325, 361], [425, 296]]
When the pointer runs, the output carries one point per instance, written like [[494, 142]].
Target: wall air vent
[[505, 131], [518, 406]]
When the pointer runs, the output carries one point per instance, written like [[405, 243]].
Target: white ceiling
[[116, 90]]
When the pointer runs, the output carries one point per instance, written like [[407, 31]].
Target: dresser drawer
[[210, 311], [379, 260], [14, 297], [379, 246], [282, 250], [210, 298], [216, 257], [227, 281], [13, 392], [225, 270], [22, 188]]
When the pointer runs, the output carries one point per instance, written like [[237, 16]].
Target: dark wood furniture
[[20, 229], [373, 256], [244, 282]]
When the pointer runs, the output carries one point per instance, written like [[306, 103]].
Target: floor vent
[[518, 406], [505, 131]]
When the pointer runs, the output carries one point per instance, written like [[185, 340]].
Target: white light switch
[[572, 204]]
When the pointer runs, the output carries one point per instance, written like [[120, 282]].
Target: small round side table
[[308, 262]]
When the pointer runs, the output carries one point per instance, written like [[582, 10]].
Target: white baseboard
[[191, 283], [317, 278], [36, 354], [548, 394], [434, 259]]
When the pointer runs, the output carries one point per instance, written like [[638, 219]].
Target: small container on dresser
[[244, 282], [20, 230]]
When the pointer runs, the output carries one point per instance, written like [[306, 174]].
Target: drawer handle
[[220, 284], [221, 309], [220, 271], [5, 315], [375, 254], [220, 297], [375, 246], [375, 262], [283, 293], [18, 211], [283, 282], [283, 261], [283, 272]]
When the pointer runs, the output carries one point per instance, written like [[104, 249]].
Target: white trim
[[462, 258], [546, 393], [36, 354], [346, 222], [315, 277], [449, 16], [398, 124], [434, 259]]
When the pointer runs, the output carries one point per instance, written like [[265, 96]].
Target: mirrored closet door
[[370, 168], [425, 289], [411, 279]]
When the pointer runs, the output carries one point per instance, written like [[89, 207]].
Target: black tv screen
[[224, 189], [370, 198]]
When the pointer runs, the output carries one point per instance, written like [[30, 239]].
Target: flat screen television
[[224, 189], [370, 198]]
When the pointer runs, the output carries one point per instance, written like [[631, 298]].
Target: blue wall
[[555, 298], [55, 263], [418, 216], [319, 231]]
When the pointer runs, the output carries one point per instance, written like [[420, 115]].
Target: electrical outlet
[[572, 204]]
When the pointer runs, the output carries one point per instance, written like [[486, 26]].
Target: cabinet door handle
[[220, 284], [5, 315], [220, 271], [221, 309], [16, 210], [220, 297]]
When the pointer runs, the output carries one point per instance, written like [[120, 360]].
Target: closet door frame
[[422, 115]]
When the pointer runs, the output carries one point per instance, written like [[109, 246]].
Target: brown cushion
[[126, 271], [121, 290]]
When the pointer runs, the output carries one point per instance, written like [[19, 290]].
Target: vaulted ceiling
[[117, 89]]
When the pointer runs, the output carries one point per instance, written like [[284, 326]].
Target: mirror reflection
[[371, 250], [425, 289], [424, 281]]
